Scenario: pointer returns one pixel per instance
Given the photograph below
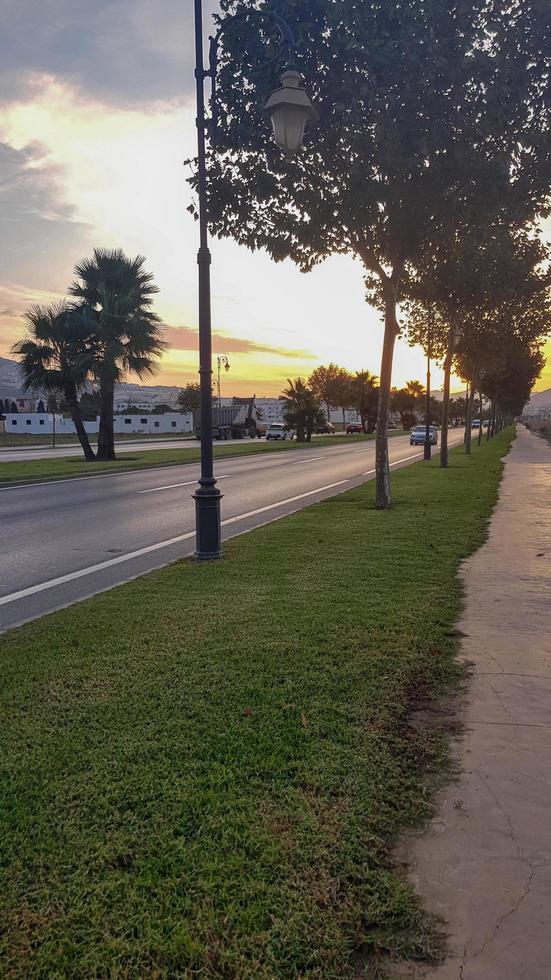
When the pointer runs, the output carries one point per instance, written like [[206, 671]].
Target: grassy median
[[204, 770], [28, 471], [8, 440]]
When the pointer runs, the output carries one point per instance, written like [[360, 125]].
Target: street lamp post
[[290, 109], [427, 449], [221, 360]]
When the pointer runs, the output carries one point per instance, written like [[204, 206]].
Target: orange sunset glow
[[86, 171]]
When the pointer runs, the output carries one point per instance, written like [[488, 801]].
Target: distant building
[[32, 423], [153, 424], [24, 401], [269, 410], [123, 406]]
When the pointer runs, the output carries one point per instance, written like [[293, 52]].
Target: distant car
[[278, 430], [476, 424], [353, 428], [326, 428], [417, 435]]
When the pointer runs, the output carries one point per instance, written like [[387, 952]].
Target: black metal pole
[[427, 449], [207, 496]]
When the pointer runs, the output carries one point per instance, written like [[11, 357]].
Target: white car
[[278, 430]]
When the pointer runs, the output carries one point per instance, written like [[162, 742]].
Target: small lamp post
[[290, 109], [221, 360]]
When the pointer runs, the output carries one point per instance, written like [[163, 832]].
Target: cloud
[[127, 52], [187, 338]]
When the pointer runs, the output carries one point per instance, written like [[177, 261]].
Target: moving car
[[326, 428], [278, 430], [417, 435], [353, 427], [476, 424]]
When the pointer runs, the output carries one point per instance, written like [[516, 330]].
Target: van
[[277, 430]]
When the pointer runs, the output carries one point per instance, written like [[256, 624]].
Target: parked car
[[278, 430], [353, 428], [417, 435], [326, 428]]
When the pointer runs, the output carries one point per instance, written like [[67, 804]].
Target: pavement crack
[[532, 868], [500, 699]]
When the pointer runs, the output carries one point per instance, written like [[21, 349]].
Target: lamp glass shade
[[290, 109]]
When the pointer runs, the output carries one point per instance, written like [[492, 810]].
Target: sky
[[96, 121]]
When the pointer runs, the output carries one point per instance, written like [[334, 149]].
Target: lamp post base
[[207, 522]]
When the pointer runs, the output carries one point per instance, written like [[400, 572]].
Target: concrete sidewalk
[[485, 862]]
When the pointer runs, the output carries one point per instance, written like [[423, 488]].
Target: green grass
[[52, 469], [9, 439], [204, 770]]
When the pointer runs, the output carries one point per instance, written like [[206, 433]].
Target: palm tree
[[116, 294], [365, 398], [53, 359], [302, 410]]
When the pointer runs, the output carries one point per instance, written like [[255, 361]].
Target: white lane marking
[[72, 576], [300, 462], [188, 483], [405, 459], [281, 503], [77, 479]]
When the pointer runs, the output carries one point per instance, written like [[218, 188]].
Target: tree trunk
[[343, 418], [106, 438], [76, 415], [469, 419], [383, 498], [446, 397], [488, 429], [328, 411], [466, 411], [481, 411]]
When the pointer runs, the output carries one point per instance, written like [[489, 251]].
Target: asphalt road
[[15, 454], [66, 540]]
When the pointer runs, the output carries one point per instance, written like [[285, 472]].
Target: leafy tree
[[330, 384], [412, 128], [40, 408], [302, 411], [161, 409], [364, 389], [116, 294], [189, 398], [53, 358], [460, 281]]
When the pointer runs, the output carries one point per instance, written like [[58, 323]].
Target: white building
[[350, 415], [269, 410], [31, 423], [123, 406], [154, 424]]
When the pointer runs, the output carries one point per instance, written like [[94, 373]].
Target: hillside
[[539, 400], [10, 378]]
